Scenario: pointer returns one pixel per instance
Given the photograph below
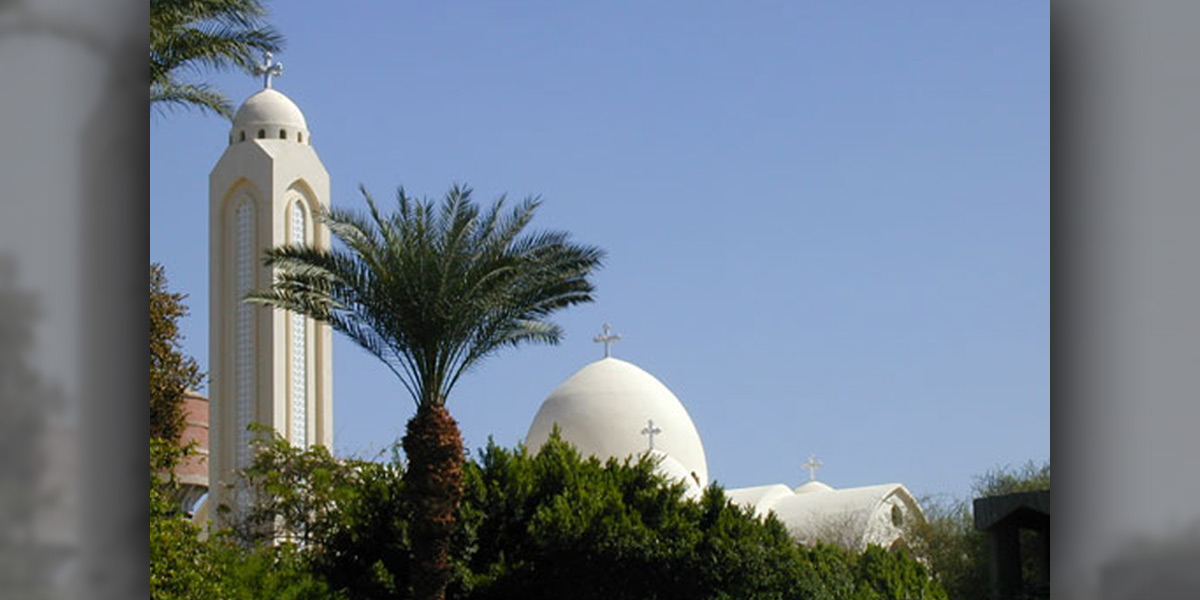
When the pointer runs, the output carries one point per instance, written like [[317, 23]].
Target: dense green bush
[[555, 525]]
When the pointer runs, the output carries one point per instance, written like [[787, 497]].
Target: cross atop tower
[[650, 431], [607, 338], [812, 464], [268, 68]]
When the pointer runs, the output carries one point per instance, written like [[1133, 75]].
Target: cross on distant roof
[[268, 68], [650, 431], [606, 338], [812, 464]]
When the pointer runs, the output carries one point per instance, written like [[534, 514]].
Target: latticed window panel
[[244, 327], [298, 333]]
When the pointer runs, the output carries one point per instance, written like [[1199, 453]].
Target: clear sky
[[827, 225]]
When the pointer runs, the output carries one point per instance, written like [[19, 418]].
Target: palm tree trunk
[[433, 487]]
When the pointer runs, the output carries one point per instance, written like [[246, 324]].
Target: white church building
[[613, 409], [275, 368]]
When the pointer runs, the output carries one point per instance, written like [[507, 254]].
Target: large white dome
[[603, 408]]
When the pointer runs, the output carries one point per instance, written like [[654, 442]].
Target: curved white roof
[[603, 408], [850, 516], [761, 498], [269, 107]]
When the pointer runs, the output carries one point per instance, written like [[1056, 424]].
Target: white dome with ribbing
[[606, 408]]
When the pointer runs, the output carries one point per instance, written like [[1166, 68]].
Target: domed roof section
[[604, 410], [813, 486], [269, 107]]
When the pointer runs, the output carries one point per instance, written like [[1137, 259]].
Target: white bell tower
[[267, 366]]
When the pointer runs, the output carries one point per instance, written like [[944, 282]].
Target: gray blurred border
[[1126, 225], [73, 252]]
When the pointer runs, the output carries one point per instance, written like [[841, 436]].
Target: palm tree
[[432, 290], [187, 35]]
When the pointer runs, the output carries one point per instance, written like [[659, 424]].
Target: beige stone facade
[[267, 366]]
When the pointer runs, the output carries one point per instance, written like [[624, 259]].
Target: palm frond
[[432, 289], [171, 95], [191, 36]]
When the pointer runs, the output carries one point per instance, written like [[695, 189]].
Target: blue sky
[[827, 226]]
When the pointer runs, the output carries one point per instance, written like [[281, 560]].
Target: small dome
[[268, 107], [603, 409], [813, 486]]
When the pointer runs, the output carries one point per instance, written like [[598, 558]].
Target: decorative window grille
[[244, 328], [299, 345]]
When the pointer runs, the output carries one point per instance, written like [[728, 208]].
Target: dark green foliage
[[1026, 478], [554, 525], [893, 574], [295, 490], [348, 516], [171, 371], [181, 566], [185, 567], [276, 572]]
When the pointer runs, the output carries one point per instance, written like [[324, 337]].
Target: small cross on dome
[[650, 431], [267, 69], [607, 338], [812, 464]]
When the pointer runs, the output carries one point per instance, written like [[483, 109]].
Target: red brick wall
[[194, 469]]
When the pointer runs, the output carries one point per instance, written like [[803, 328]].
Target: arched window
[[298, 334], [299, 137], [282, 134], [262, 134], [244, 263], [243, 136]]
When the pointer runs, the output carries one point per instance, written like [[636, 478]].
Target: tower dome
[[614, 409], [268, 114]]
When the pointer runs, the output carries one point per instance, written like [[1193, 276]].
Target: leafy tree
[[1028, 477], [555, 525], [293, 490], [279, 572], [957, 553], [432, 290], [893, 574], [171, 371], [183, 566], [346, 514], [189, 35]]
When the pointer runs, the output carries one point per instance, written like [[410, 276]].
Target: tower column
[[267, 366]]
